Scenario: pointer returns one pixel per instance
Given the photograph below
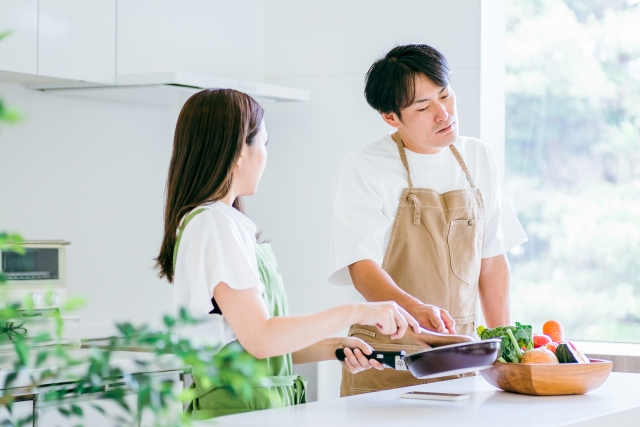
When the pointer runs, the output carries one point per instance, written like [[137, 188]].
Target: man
[[419, 216]]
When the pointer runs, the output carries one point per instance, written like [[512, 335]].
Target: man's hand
[[433, 318], [376, 285]]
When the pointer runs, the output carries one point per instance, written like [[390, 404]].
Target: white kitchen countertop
[[615, 403]]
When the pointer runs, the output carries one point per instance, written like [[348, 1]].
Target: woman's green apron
[[286, 388]]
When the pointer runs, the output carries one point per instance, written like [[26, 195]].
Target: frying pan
[[441, 361]]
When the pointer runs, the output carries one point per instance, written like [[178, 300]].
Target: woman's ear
[[241, 158], [392, 119]]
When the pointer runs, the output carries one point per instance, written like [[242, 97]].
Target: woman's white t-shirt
[[217, 245], [367, 192]]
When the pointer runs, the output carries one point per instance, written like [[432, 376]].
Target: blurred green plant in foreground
[[47, 359], [8, 115], [42, 358], [35, 364]]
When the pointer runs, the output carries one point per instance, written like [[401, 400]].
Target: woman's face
[[251, 164]]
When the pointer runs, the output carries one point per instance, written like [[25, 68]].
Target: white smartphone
[[428, 395]]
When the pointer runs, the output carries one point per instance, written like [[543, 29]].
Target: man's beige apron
[[434, 254]]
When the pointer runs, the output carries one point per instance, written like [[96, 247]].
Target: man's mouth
[[447, 129]]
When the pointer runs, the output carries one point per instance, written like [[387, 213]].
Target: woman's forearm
[[291, 334], [262, 336]]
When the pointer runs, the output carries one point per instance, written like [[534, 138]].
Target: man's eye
[[422, 109], [446, 96]]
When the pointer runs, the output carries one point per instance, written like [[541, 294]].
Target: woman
[[209, 252]]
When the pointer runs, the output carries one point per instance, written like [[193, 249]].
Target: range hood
[[167, 89]]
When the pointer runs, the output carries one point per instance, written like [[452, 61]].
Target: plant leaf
[[21, 350], [98, 408], [76, 410], [42, 356], [74, 303]]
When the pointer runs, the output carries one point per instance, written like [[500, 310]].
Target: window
[[573, 164]]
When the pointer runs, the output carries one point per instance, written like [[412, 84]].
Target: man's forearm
[[494, 290], [376, 285]]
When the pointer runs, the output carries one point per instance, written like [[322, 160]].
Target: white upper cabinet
[[221, 38], [19, 50], [152, 52], [77, 40]]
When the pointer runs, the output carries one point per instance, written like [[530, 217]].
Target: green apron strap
[[280, 381], [300, 387], [268, 382], [180, 231]]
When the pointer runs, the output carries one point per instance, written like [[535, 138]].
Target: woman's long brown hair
[[211, 130]]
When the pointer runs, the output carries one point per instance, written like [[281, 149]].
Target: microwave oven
[[39, 274]]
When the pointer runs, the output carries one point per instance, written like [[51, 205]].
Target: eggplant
[[566, 354]]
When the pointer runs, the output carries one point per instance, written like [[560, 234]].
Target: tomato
[[541, 339], [554, 329], [552, 346]]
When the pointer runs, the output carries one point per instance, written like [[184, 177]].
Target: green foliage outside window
[[573, 163]]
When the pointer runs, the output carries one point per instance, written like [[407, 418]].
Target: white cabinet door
[[147, 418], [218, 37], [50, 416], [77, 39], [21, 411], [19, 50]]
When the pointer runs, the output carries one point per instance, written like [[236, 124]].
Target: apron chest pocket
[[465, 240]]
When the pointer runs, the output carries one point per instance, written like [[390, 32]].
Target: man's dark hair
[[390, 82]]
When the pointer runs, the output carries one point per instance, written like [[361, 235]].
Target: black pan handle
[[387, 358]]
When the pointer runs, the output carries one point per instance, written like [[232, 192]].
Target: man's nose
[[441, 113]]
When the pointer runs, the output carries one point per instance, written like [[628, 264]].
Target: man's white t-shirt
[[367, 192], [217, 245]]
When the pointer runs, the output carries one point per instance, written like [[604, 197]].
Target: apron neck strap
[[455, 152], [463, 165], [403, 157]]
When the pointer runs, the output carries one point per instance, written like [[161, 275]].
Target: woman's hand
[[388, 317], [355, 360]]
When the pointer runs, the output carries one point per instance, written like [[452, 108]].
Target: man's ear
[[392, 119]]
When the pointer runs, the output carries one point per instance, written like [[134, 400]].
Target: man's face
[[430, 123]]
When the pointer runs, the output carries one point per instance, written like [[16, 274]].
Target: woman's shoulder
[[219, 219]]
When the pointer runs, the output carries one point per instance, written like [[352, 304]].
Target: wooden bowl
[[549, 380]]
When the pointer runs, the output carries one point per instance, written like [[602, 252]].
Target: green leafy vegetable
[[514, 339]]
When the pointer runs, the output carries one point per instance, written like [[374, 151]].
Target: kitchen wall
[[93, 172], [327, 48]]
